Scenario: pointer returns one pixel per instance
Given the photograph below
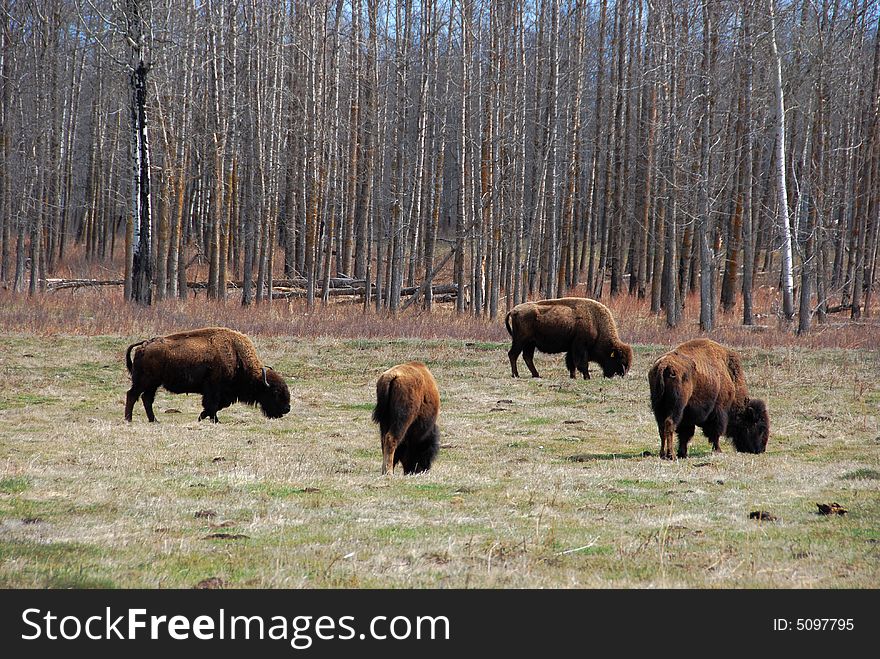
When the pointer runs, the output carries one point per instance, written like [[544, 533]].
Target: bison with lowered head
[[701, 383], [407, 404], [218, 363], [581, 328]]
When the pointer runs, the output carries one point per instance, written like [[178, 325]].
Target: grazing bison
[[407, 404], [581, 328], [701, 383], [218, 363]]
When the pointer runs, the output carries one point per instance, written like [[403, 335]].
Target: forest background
[[464, 152]]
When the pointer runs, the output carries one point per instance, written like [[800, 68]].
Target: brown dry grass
[[103, 311]]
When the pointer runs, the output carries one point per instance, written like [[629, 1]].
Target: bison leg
[[575, 361], [130, 399], [210, 406], [585, 369], [582, 360], [714, 427], [390, 443], [685, 432], [209, 414], [667, 430], [529, 358], [418, 449], [148, 397], [513, 355]]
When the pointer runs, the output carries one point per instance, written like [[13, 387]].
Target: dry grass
[[103, 311], [541, 483]]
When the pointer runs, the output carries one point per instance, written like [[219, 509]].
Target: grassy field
[[539, 483]]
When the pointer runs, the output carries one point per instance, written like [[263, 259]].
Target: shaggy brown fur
[[701, 383], [582, 328], [219, 363], [407, 404]]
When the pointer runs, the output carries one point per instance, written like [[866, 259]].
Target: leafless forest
[[425, 150]]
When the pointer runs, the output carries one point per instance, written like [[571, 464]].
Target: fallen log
[[279, 293], [282, 288], [839, 308], [437, 289], [429, 282], [58, 284], [55, 283]]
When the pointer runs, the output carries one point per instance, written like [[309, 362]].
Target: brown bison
[[581, 328], [217, 362], [701, 383], [407, 404]]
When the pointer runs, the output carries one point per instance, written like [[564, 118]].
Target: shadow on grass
[[589, 457]]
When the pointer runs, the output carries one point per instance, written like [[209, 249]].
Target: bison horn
[[265, 380]]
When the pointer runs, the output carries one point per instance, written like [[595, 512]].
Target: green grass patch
[[281, 490], [862, 474], [13, 484], [19, 400], [433, 491], [396, 533], [359, 407], [486, 345], [56, 564], [865, 534]]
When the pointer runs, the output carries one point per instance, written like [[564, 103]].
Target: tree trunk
[[748, 211], [141, 269], [707, 303], [782, 220]]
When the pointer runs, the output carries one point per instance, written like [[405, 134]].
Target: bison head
[[617, 362], [749, 428], [274, 397]]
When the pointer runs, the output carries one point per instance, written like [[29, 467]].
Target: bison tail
[[507, 323], [383, 399], [657, 377], [128, 363], [656, 384], [660, 384]]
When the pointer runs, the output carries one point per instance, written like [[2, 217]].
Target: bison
[[581, 328], [701, 383], [407, 404], [219, 363]]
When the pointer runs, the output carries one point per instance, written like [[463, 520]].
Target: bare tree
[[782, 219], [135, 16]]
